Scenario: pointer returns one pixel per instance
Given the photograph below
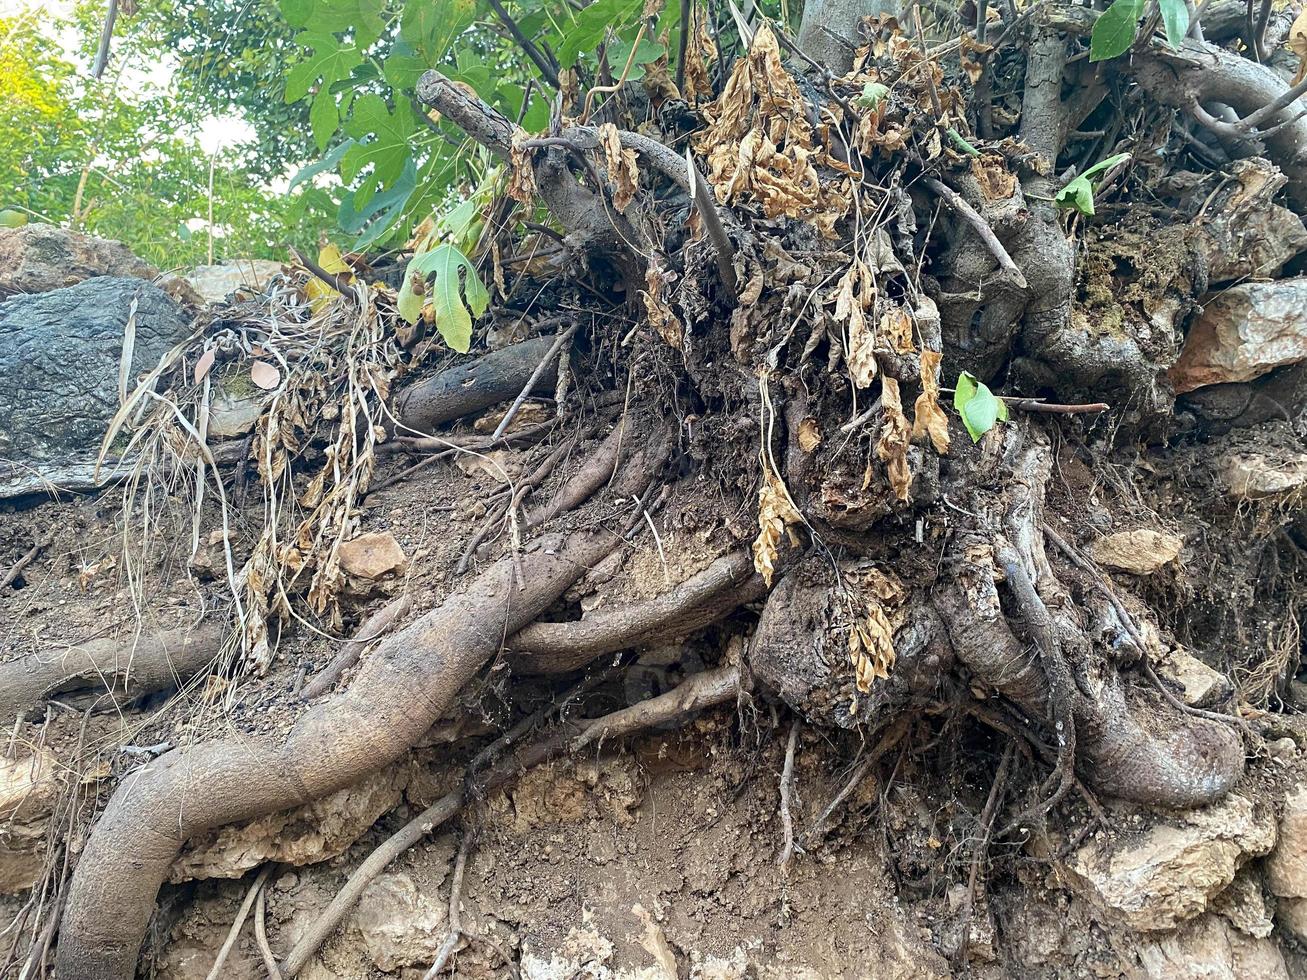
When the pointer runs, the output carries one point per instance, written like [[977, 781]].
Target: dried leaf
[[775, 515], [265, 375], [701, 50], [623, 171], [929, 417], [1298, 44], [809, 434], [319, 294], [892, 446], [203, 365], [871, 647], [522, 179], [661, 317], [896, 327], [993, 178], [501, 466], [852, 299]]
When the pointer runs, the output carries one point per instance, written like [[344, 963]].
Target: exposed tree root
[[374, 626], [124, 669], [555, 648]]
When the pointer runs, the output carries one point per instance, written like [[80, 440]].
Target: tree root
[[122, 669], [472, 386], [374, 626], [399, 692], [455, 911], [556, 648], [704, 690]]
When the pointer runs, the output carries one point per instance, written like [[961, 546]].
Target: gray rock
[[39, 257], [59, 354]]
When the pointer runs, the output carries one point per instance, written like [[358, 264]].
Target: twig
[[787, 794], [455, 914], [562, 338], [241, 914], [626, 70], [375, 625], [712, 222], [982, 848], [981, 226], [526, 44], [681, 47], [261, 936], [1053, 408], [339, 283], [1282, 101], [722, 684], [893, 735], [17, 568]]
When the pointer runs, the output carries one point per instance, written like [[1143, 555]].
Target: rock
[[29, 789], [1170, 872], [1286, 868], [214, 283], [1291, 916], [1244, 905], [59, 357], [1202, 685], [314, 832], [1243, 333], [1246, 235], [1210, 949], [196, 935], [1139, 552], [1255, 476], [372, 555], [37, 258], [399, 925]]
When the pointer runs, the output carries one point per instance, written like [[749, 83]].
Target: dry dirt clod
[[372, 556], [1139, 552]]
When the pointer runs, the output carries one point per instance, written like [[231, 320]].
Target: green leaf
[[9, 218], [590, 25], [298, 13], [441, 267], [330, 61], [390, 145], [402, 68], [431, 26], [326, 163], [647, 52], [1175, 17], [1107, 164], [323, 117], [1115, 29], [1077, 194], [871, 96], [355, 215], [979, 409], [183, 232]]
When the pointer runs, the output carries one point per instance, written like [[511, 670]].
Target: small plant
[[979, 407], [1079, 192], [1118, 26]]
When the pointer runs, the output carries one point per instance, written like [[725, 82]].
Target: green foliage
[[1079, 191], [1115, 29], [441, 267], [1175, 18], [872, 94], [978, 406]]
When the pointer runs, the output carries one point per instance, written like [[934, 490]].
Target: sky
[[215, 132]]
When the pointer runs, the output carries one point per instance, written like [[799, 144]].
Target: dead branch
[[373, 627], [455, 911], [228, 944], [546, 363], [18, 567], [694, 694], [261, 934], [596, 471], [555, 648], [981, 848], [787, 795], [981, 227], [888, 739]]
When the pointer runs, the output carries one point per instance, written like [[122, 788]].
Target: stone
[[1286, 868], [1256, 476], [1244, 332], [308, 834], [1139, 552], [398, 924], [37, 258], [1246, 235], [214, 283], [30, 786], [372, 555], [1291, 916], [1203, 686], [1169, 873], [1244, 905], [1210, 949], [59, 361]]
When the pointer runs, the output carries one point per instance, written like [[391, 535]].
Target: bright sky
[[214, 132]]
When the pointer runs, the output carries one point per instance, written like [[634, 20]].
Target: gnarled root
[[124, 669]]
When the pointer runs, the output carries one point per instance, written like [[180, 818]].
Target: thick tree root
[[122, 669], [704, 598], [399, 692]]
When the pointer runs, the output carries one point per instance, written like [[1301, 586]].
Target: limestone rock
[[1286, 868], [1170, 872], [1256, 476], [314, 832], [1210, 949], [1243, 333], [1291, 916], [372, 555], [59, 360], [1246, 235], [37, 258], [1139, 552], [215, 283], [1244, 905], [398, 924], [1203, 686], [29, 788]]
